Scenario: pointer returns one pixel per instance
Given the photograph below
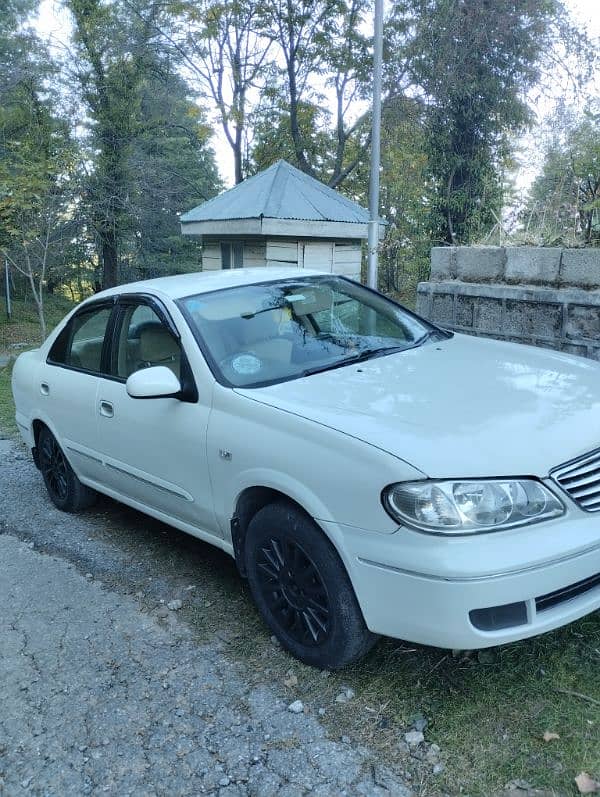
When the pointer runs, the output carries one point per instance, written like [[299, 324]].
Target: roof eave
[[239, 227], [300, 228]]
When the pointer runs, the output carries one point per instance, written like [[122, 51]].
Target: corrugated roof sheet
[[280, 192]]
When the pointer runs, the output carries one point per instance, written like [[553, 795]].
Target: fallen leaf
[[550, 735], [586, 784]]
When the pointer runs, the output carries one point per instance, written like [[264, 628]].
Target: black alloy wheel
[[54, 468], [64, 488], [294, 590], [302, 589]]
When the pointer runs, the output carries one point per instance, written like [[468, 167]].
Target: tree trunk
[[237, 155], [294, 126], [38, 298], [40, 310], [110, 260]]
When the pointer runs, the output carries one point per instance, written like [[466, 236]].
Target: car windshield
[[260, 334]]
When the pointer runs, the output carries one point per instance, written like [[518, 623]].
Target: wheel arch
[[36, 427], [250, 501], [37, 424]]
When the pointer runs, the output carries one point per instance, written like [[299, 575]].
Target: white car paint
[[463, 406], [460, 408]]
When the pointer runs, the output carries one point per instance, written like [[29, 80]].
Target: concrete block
[[442, 308], [534, 265], [583, 321], [423, 304], [465, 311], [480, 263], [443, 262], [553, 345], [488, 315], [571, 348], [532, 319], [580, 267], [527, 302], [594, 352]]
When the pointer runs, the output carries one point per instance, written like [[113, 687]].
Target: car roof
[[205, 281]]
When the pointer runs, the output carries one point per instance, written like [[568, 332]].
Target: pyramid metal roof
[[279, 192]]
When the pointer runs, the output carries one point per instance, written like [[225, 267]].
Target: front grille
[[567, 593], [581, 480]]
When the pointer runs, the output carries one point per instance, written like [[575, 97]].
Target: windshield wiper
[[372, 353], [365, 354], [430, 334]]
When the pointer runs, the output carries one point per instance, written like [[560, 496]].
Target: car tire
[[302, 589], [64, 488]]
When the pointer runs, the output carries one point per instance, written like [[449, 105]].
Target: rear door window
[[81, 343]]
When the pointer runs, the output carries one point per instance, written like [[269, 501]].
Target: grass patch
[[24, 327], [8, 426]]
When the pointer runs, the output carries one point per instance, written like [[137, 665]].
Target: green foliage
[[148, 141], [171, 168], [474, 61], [564, 200], [406, 198], [37, 162], [323, 52], [37, 166], [109, 70], [273, 141]]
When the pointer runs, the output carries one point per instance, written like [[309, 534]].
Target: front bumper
[[432, 590]]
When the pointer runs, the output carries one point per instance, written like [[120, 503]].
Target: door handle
[[106, 409], [45, 389]]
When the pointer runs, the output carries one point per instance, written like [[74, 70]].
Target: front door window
[[144, 341]]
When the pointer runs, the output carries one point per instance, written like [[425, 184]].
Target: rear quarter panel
[[24, 380]]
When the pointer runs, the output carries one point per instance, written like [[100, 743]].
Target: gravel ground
[[105, 690]]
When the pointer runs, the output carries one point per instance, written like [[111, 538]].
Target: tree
[[406, 197], [37, 173], [473, 61], [272, 140], [171, 168], [564, 201], [112, 49], [324, 55], [38, 158], [223, 47], [148, 141]]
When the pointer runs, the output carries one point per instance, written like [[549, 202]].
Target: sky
[[53, 23]]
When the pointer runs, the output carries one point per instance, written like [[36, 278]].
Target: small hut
[[281, 216]]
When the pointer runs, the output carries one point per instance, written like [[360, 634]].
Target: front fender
[[334, 477]]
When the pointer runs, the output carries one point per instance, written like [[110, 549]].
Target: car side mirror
[[156, 382]]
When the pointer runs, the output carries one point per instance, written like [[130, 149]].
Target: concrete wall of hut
[[338, 257]]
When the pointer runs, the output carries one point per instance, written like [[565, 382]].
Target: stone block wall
[[542, 296]]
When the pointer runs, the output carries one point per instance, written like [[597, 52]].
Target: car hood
[[462, 407]]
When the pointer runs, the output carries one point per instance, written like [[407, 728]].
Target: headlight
[[468, 507]]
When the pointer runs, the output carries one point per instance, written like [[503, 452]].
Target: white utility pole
[[373, 239]]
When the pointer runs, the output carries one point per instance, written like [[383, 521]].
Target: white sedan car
[[369, 472]]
